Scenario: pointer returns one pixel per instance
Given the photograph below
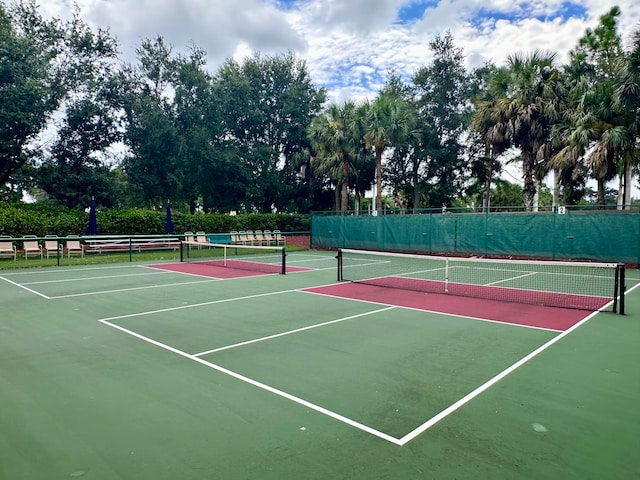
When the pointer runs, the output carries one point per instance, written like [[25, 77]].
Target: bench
[[219, 238], [104, 245]]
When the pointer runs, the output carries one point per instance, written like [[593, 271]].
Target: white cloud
[[349, 45]]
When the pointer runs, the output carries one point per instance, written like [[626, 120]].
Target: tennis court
[[197, 370]]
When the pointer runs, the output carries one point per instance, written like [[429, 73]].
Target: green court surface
[[123, 371]]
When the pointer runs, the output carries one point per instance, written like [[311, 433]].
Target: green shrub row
[[17, 220]]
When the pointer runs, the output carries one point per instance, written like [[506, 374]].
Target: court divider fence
[[611, 236]]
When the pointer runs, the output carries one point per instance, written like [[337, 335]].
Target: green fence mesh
[[612, 236]]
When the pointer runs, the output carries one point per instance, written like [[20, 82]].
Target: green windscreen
[[602, 236]]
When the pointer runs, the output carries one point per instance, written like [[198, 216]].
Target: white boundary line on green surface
[[82, 279], [289, 332], [255, 383], [203, 304], [132, 289], [75, 269], [25, 288]]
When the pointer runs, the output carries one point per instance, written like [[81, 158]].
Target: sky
[[350, 46]]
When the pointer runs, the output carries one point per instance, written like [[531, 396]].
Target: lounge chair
[[278, 237], [74, 247], [7, 248], [31, 247], [51, 245]]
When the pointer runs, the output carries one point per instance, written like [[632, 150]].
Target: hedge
[[17, 220]]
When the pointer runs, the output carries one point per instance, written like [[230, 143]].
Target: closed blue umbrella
[[92, 228], [168, 227]]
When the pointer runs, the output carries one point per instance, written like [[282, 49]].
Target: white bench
[[104, 245]]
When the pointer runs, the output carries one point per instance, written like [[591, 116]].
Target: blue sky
[[350, 45]]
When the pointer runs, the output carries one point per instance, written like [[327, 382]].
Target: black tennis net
[[263, 259], [579, 285]]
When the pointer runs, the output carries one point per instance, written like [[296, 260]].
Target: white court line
[[25, 288], [213, 302], [181, 273], [289, 332], [255, 383], [82, 279], [309, 269], [296, 261], [510, 279], [300, 254], [74, 269], [131, 289]]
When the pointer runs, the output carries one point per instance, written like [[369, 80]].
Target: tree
[[44, 65], [521, 109], [488, 122], [626, 102], [600, 133], [506, 194], [336, 138], [175, 132], [267, 103], [442, 89], [386, 121], [151, 134], [75, 170], [209, 166]]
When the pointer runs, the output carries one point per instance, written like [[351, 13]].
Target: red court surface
[[507, 312], [205, 269]]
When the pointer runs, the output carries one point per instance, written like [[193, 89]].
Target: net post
[[284, 262], [446, 275], [181, 251], [339, 257], [622, 286], [616, 288]]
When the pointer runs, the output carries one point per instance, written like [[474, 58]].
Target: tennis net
[[578, 285], [261, 259]]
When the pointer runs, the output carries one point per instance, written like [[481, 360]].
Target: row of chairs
[[200, 237], [257, 237], [32, 247]]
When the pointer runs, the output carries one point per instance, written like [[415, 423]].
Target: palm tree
[[385, 121], [334, 135], [602, 112], [626, 101], [531, 110], [570, 137], [491, 123], [521, 110]]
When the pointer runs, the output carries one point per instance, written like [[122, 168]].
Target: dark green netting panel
[[602, 236]]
